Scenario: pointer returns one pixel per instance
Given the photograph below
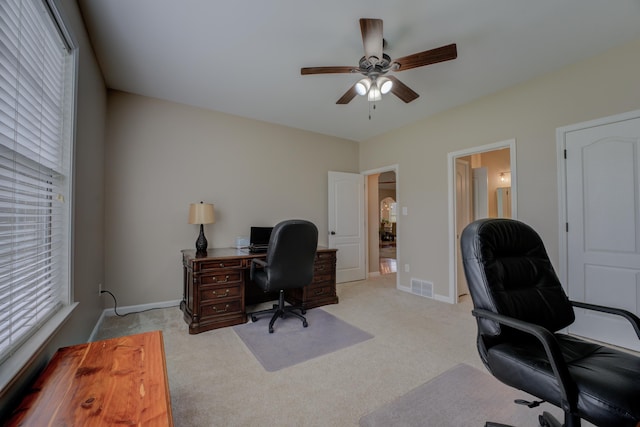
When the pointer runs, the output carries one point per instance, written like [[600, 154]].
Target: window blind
[[35, 113]]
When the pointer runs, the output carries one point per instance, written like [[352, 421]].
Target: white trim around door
[[451, 166]]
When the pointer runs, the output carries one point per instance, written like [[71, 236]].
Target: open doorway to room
[[482, 184], [387, 230], [383, 221]]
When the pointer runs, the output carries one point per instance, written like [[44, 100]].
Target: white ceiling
[[243, 57]]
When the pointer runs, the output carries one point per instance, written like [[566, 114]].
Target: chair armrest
[[254, 262], [567, 386], [632, 318]]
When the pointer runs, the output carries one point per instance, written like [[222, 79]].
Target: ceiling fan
[[375, 65]]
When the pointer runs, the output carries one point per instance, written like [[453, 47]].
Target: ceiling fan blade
[[439, 54], [348, 95], [402, 91], [327, 70], [371, 37]]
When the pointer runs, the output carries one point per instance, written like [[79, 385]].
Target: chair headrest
[[508, 271]]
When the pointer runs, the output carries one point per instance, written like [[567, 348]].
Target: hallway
[[388, 262]]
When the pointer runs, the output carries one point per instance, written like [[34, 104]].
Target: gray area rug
[[291, 344], [461, 396]]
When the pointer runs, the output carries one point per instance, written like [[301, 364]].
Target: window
[[37, 70], [388, 210]]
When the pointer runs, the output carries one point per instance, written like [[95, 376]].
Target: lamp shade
[[374, 93], [201, 213], [362, 87], [384, 84]]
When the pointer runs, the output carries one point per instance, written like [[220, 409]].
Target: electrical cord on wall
[[115, 306]]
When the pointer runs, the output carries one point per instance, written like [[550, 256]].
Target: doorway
[[482, 183], [378, 189], [388, 219]]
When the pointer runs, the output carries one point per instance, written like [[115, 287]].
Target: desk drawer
[[321, 277], [221, 263], [221, 278], [220, 308], [321, 290], [322, 266], [313, 295], [325, 255], [213, 293]]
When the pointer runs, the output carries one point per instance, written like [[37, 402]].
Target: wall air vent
[[422, 288]]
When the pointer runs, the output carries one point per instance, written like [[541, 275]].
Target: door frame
[[563, 244], [467, 210], [451, 166], [390, 168]]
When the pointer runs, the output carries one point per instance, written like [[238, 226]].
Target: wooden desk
[[120, 381], [216, 287]]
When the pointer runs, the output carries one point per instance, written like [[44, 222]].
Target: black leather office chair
[[289, 264], [520, 306]]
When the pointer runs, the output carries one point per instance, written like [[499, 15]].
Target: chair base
[[279, 310]]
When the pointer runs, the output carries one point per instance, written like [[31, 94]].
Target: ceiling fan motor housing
[[373, 66]]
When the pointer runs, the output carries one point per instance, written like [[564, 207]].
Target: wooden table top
[[119, 381]]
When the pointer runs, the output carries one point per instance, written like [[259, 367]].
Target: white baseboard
[[443, 298], [108, 312], [404, 288]]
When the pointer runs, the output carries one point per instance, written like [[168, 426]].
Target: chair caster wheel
[[270, 330], [305, 324], [254, 319], [548, 420], [303, 311]]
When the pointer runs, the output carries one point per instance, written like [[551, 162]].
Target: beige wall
[[88, 213], [161, 156], [530, 113]]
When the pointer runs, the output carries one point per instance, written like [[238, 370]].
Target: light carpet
[[291, 344], [461, 396]]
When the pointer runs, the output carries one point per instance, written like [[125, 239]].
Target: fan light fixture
[[373, 88], [362, 87]]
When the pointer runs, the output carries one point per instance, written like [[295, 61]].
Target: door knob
[[333, 233]]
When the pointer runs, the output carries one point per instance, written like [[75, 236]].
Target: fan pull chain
[[374, 107]]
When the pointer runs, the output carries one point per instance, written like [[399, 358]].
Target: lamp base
[[201, 243]]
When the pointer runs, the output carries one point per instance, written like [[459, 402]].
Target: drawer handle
[[226, 308], [226, 279], [319, 291], [226, 294], [222, 264], [320, 267]]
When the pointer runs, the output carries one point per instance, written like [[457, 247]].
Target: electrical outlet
[[406, 268], [99, 289]]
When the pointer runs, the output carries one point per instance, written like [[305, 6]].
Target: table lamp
[[201, 213]]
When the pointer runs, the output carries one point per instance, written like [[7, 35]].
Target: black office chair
[[520, 306], [289, 264]]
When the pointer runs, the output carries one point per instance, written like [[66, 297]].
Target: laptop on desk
[[259, 239], [258, 249]]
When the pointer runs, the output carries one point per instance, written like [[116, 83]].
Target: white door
[[463, 218], [480, 193], [346, 224], [603, 238]]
